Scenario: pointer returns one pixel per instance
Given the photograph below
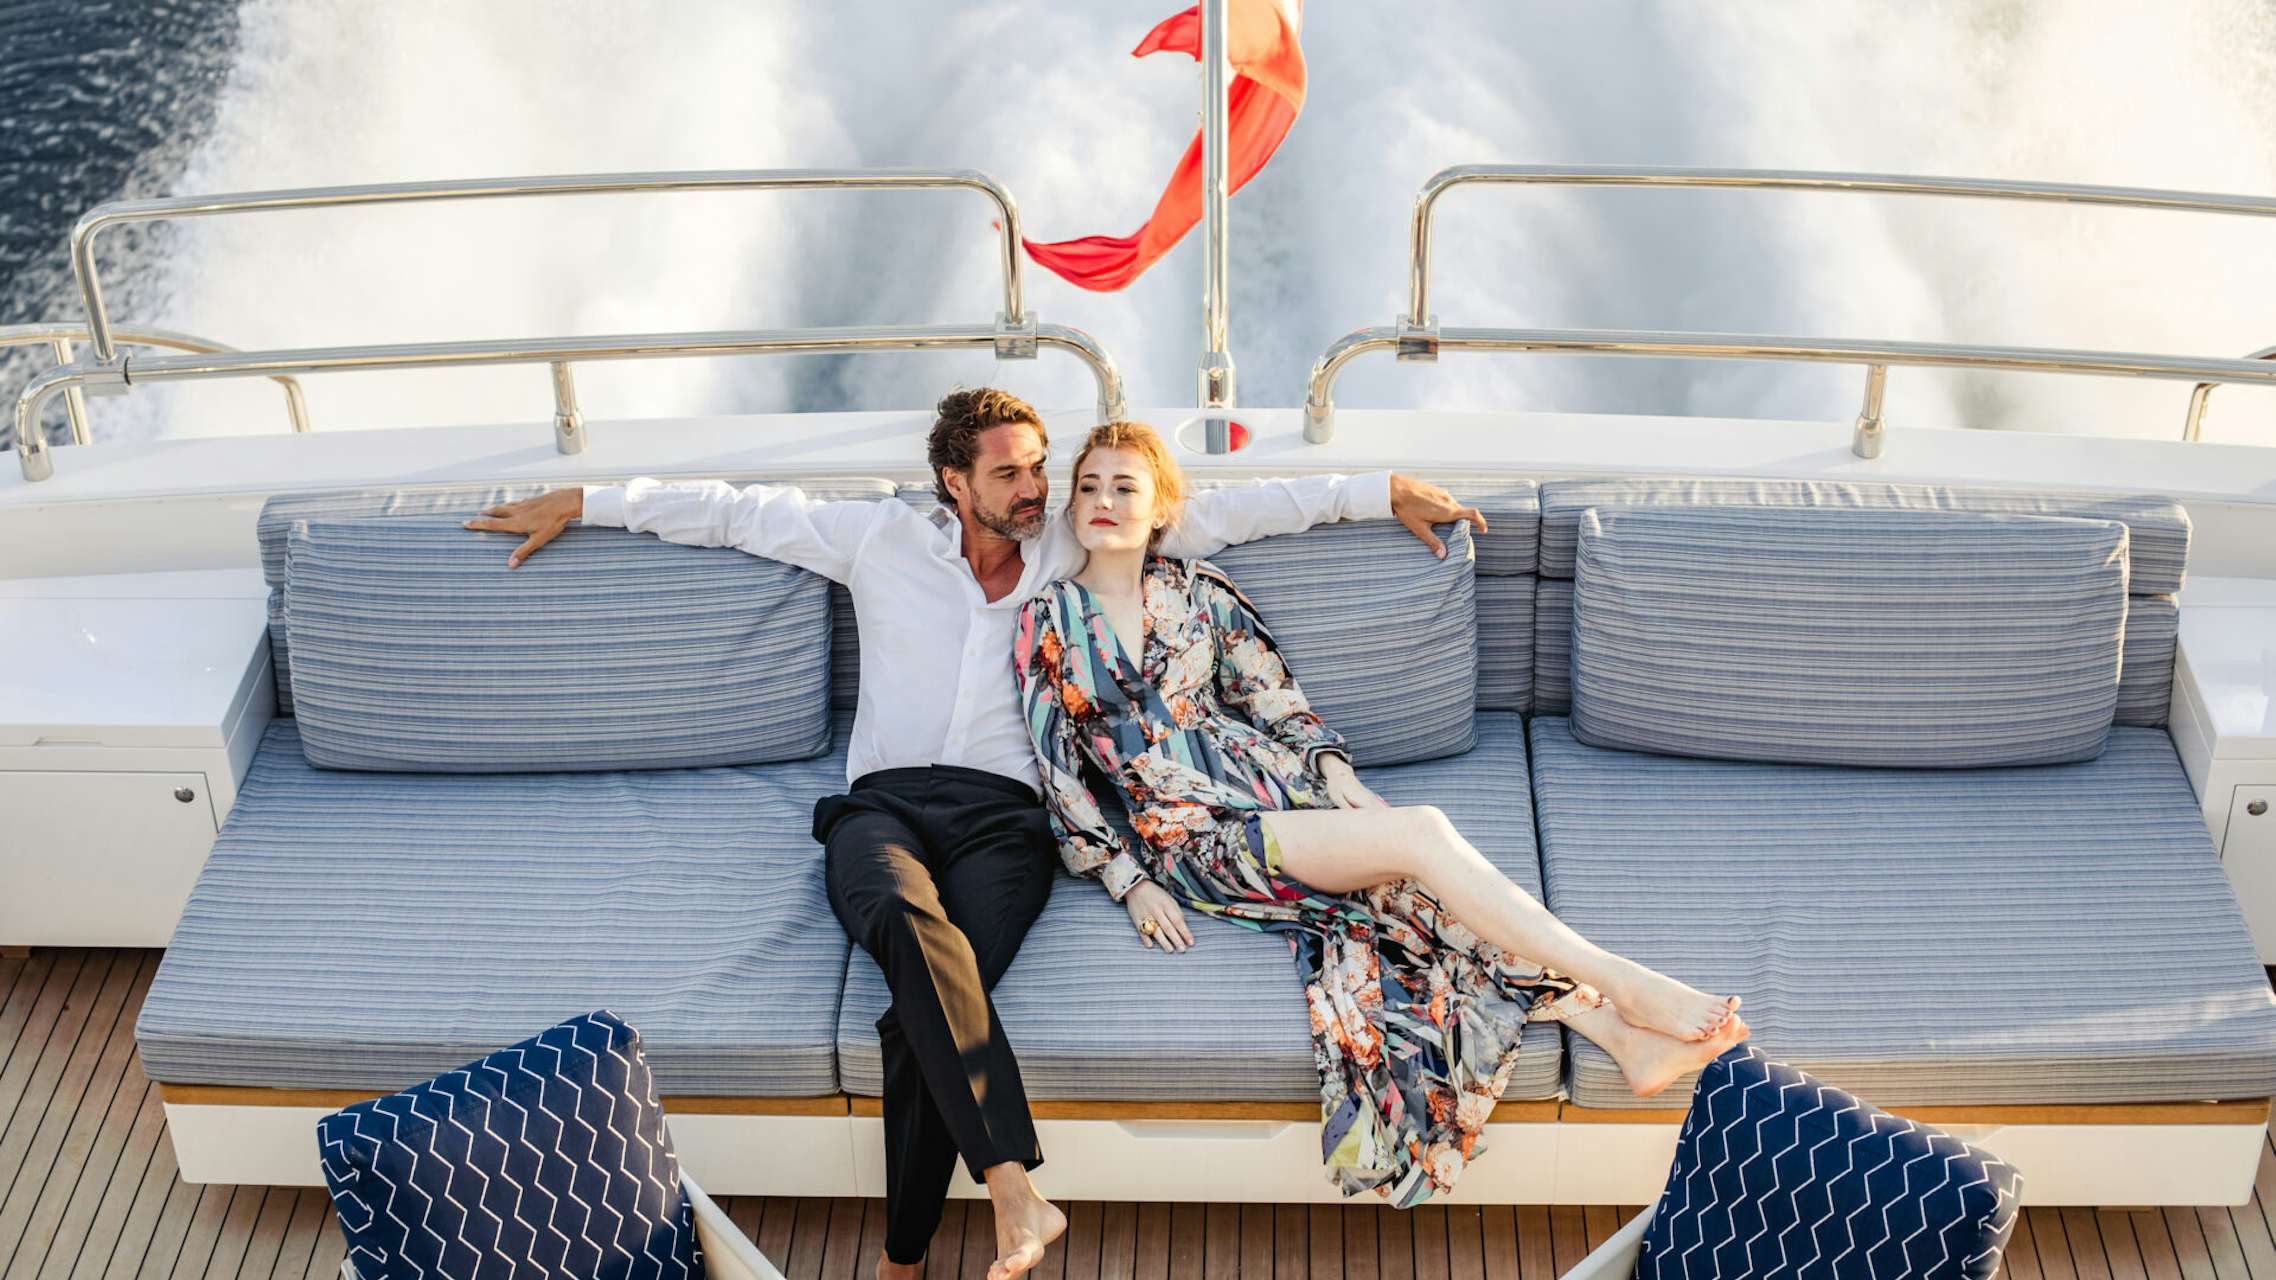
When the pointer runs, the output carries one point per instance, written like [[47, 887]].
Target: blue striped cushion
[[1779, 1174], [336, 905], [1927, 937], [1910, 638], [2158, 527], [1511, 545], [1505, 643], [1340, 599], [544, 1160], [1097, 1017], [283, 510], [414, 647], [2145, 668]]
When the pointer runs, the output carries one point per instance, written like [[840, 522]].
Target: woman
[[1421, 960]]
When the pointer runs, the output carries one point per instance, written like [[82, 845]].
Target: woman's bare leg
[[1648, 1060], [1347, 850]]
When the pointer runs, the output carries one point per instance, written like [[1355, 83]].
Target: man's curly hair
[[960, 418]]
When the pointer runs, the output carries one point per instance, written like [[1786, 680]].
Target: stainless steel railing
[[2194, 425], [59, 338], [1417, 337], [1016, 333]]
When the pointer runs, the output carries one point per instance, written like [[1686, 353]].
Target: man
[[939, 856]]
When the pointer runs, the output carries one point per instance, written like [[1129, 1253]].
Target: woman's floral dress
[[1415, 1020]]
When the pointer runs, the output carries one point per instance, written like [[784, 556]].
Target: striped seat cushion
[[414, 647], [1097, 1017], [2042, 935], [1922, 639], [1340, 598], [360, 930], [1778, 1173], [546, 1160], [283, 510]]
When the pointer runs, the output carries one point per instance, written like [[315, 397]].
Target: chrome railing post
[[1216, 373], [2193, 426], [568, 424], [1866, 441], [75, 399]]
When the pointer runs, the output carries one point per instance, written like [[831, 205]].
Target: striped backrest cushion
[[1778, 1173], [413, 647], [1379, 633], [1924, 639], [546, 1159], [281, 511]]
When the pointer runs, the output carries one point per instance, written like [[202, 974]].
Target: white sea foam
[[2178, 93]]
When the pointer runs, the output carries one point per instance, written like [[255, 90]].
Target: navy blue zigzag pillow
[[547, 1159], [1779, 1173]]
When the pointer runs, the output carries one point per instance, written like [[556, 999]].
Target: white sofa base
[[1277, 1161]]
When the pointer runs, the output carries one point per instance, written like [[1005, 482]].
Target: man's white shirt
[[936, 675]]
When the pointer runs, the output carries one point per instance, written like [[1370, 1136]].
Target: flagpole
[[1216, 361]]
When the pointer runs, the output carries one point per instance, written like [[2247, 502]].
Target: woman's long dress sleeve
[[1252, 676], [1087, 844]]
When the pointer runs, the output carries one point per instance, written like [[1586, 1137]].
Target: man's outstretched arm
[[1219, 518], [776, 521]]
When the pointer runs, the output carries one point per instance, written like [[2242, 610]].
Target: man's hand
[[542, 518], [1419, 504]]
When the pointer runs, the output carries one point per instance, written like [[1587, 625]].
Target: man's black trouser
[[937, 873]]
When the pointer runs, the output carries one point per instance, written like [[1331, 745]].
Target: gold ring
[[1148, 927]]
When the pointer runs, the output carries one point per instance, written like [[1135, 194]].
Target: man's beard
[[1020, 524]]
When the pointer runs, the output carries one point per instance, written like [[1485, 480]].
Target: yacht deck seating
[[2049, 934]]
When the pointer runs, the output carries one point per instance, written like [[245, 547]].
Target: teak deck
[[88, 1189]]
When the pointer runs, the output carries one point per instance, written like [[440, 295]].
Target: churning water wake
[[1041, 93]]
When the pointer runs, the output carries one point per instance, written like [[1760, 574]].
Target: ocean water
[[103, 100]]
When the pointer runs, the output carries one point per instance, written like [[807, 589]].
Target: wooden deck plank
[[2085, 1235], [23, 997], [178, 1206], [1118, 1241], [1360, 1260], [810, 1239], [1189, 1240], [1498, 1227], [841, 1241], [1394, 1244], [331, 1248], [872, 1238], [1221, 1242], [1429, 1222], [1465, 1243], [1323, 1229], [106, 1214], [204, 1232], [145, 1211], [1256, 1241], [777, 1221], [2021, 1259], [2220, 1237], [2160, 1259], [1081, 1243], [2119, 1246], [1153, 1241], [1536, 1248], [34, 1075], [79, 1136], [259, 1258], [311, 1217], [1568, 1236]]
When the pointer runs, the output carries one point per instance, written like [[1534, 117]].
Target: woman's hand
[[1344, 786], [1148, 901]]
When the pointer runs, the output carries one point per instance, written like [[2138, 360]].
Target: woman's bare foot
[[888, 1269], [1654, 1001], [1651, 1061], [1025, 1222]]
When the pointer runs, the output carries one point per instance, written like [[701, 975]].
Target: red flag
[[1266, 93]]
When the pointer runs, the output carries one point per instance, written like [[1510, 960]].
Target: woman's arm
[[1252, 676], [1087, 844]]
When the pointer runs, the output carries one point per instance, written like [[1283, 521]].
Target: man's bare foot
[[888, 1269], [1654, 1001], [1651, 1061], [1025, 1222]]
